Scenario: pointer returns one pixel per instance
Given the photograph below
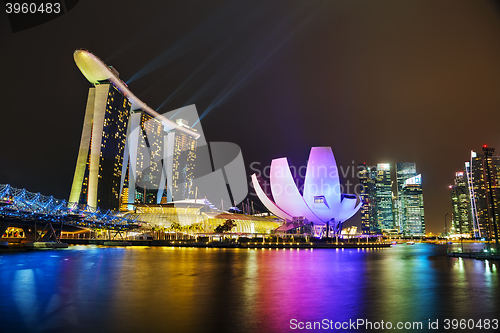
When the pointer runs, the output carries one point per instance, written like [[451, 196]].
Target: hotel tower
[[128, 152]]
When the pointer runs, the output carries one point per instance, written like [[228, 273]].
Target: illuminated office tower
[[383, 210], [461, 210], [368, 209], [397, 212], [492, 176], [383, 197], [477, 193], [412, 207], [484, 202], [97, 179], [474, 223], [404, 171]]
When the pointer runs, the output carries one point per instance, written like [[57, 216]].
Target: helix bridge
[[32, 211]]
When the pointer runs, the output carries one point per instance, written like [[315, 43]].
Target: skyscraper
[[492, 176], [128, 150], [369, 208], [382, 210], [146, 156], [477, 193], [404, 171], [412, 207], [383, 196], [164, 161], [461, 213], [483, 175], [183, 163], [97, 179]]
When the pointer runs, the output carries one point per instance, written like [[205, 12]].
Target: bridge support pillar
[[3, 228], [29, 233], [50, 235]]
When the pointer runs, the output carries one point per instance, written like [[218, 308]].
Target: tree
[[195, 227], [154, 229], [175, 226], [226, 227]]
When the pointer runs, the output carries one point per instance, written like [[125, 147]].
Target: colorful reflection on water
[[140, 289]]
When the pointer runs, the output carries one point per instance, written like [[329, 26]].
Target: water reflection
[[139, 289]]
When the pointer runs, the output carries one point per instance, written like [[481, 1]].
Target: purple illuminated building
[[321, 204]]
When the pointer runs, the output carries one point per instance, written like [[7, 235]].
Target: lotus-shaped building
[[321, 202]]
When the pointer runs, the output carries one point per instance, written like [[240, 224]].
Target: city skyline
[[375, 70], [474, 196], [393, 200]]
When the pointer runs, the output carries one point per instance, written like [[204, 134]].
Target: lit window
[[319, 199]]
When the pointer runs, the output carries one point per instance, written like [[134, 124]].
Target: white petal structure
[[267, 202], [285, 191], [322, 200]]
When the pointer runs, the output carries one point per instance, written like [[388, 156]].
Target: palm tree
[[175, 226]]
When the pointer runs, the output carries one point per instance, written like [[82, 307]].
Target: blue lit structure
[[19, 205]]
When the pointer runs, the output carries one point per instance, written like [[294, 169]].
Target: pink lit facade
[[321, 201]]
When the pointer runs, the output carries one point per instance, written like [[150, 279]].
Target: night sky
[[378, 81]]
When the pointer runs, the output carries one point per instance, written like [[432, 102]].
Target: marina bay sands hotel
[[128, 152]]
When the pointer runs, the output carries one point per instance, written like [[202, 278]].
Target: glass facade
[[383, 197], [164, 161], [126, 156], [368, 209], [114, 136], [478, 192], [412, 207], [183, 165], [202, 216], [461, 213], [404, 171], [149, 163], [381, 209], [481, 200], [493, 186], [97, 180]]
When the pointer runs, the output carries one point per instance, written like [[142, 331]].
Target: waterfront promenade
[[244, 245]]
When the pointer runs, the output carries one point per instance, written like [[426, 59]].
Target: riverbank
[[474, 255], [215, 244]]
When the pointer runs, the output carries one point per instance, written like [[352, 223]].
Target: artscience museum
[[321, 205]]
